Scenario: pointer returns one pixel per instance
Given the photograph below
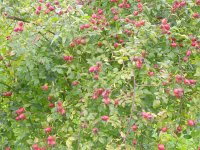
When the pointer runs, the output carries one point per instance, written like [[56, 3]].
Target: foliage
[[100, 74]]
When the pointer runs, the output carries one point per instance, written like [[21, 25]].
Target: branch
[[17, 19], [51, 32], [43, 36]]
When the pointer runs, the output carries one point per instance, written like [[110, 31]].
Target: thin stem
[[132, 107], [17, 19]]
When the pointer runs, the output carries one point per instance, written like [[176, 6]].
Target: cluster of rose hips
[[139, 61], [116, 44], [20, 113], [105, 95], [188, 53], [36, 147], [135, 23], [51, 141], [68, 58], [177, 5], [98, 92], [197, 2], [178, 92], [20, 27], [115, 12], [139, 23], [78, 41], [96, 70], [51, 105], [165, 27], [147, 115], [190, 82], [180, 79], [174, 44], [84, 26], [7, 94], [60, 108], [195, 42], [49, 8], [128, 32], [124, 4], [140, 9], [135, 13], [99, 20], [39, 8], [164, 129]]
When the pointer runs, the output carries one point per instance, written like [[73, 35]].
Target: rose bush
[[86, 74]]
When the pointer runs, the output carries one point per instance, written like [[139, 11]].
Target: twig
[[51, 32], [43, 36], [17, 19]]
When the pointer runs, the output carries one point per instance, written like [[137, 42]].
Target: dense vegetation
[[99, 74]]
